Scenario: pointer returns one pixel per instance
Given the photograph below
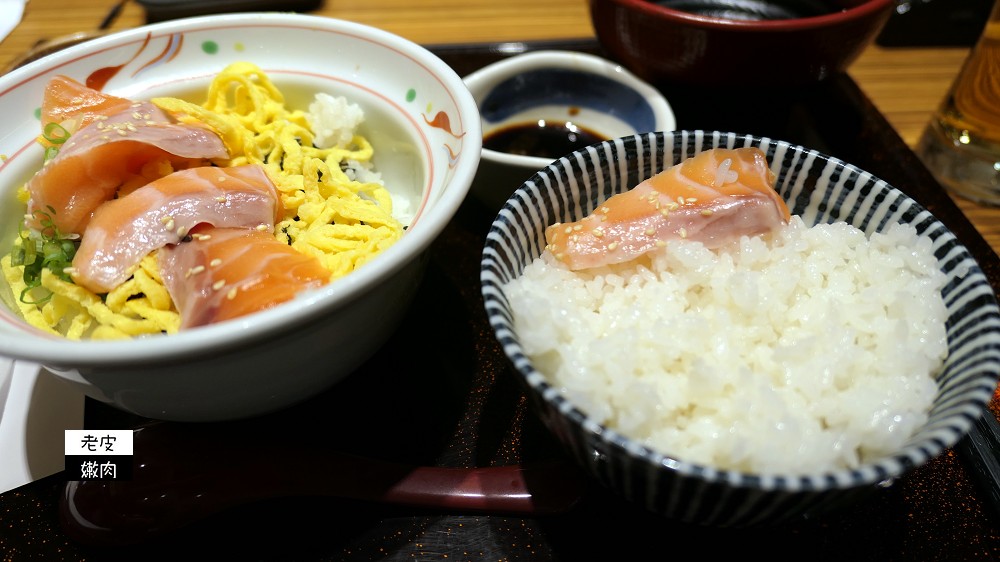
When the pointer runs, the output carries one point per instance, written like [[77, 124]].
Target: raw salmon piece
[[225, 273], [714, 197], [74, 106], [125, 230], [97, 159]]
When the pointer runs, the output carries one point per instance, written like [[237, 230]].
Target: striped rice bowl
[[742, 427]]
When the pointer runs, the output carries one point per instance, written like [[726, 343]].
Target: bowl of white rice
[[778, 377]]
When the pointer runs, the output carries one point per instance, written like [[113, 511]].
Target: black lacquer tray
[[439, 394]]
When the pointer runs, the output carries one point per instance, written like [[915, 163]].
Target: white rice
[[334, 121], [812, 351]]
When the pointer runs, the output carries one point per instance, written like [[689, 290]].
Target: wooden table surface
[[905, 84]]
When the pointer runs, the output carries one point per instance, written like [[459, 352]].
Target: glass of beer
[[961, 143]]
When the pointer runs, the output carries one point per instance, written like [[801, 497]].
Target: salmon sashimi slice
[[714, 197], [73, 105], [163, 212], [99, 158], [226, 273]]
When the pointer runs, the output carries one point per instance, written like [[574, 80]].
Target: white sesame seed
[[683, 232], [218, 285], [231, 294], [612, 245], [215, 263], [706, 212], [182, 231]]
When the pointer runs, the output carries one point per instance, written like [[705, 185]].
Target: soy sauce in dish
[[751, 10], [546, 139]]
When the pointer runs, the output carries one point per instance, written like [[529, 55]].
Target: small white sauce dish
[[550, 103]]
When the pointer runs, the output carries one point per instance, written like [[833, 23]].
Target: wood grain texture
[[905, 84]]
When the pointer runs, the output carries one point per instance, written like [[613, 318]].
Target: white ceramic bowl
[[820, 189], [426, 131], [555, 87]]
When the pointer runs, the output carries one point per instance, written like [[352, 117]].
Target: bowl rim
[[307, 307], [648, 8], [509, 67], [601, 438]]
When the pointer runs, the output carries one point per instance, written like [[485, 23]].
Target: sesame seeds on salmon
[[164, 212], [71, 106], [714, 197], [226, 273], [98, 159]]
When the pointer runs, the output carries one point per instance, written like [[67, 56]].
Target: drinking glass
[[961, 143]]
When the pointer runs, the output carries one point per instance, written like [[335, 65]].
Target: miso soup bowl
[[754, 43], [820, 189], [424, 127]]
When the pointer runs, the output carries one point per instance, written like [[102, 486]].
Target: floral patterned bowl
[[425, 128]]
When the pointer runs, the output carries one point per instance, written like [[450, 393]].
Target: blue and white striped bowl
[[820, 189]]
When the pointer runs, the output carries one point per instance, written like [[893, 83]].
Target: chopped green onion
[[55, 133], [44, 249]]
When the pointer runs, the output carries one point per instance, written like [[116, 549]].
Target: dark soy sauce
[[542, 138], [752, 10]]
